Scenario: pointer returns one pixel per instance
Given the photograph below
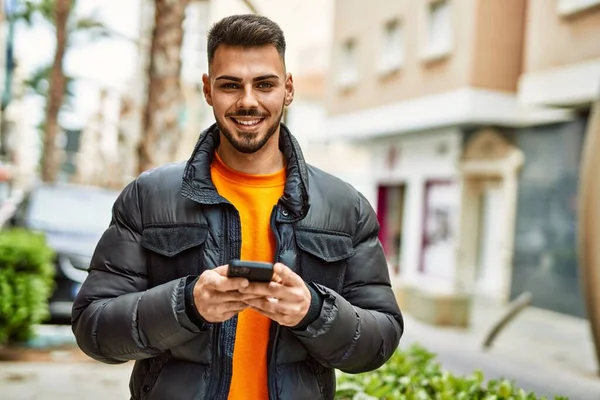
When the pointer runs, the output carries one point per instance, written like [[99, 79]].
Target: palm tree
[[58, 14], [160, 126], [56, 91]]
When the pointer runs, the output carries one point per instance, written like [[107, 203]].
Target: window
[[570, 7], [439, 29], [392, 50], [348, 74]]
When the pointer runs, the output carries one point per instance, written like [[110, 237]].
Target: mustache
[[253, 112]]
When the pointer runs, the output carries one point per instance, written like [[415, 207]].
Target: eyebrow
[[257, 79]]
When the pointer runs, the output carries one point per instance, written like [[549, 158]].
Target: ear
[[289, 89], [207, 89]]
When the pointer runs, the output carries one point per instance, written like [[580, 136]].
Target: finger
[[221, 270], [276, 278], [274, 307], [261, 304], [231, 307], [287, 318], [257, 289], [223, 284], [211, 279], [278, 291], [249, 296], [223, 297], [228, 315], [287, 276]]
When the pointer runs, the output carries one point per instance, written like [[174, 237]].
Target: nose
[[247, 99]]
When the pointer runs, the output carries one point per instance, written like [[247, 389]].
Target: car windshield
[[71, 209]]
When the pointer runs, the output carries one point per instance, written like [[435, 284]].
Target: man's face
[[248, 89]]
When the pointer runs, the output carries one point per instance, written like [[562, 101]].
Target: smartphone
[[254, 271]]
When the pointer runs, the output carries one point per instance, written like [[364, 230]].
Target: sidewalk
[[64, 380], [547, 337], [542, 351]]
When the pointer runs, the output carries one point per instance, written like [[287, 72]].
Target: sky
[[105, 62]]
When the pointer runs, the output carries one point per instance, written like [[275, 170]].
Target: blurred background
[[462, 121]]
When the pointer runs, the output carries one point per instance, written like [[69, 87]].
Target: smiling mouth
[[249, 123]]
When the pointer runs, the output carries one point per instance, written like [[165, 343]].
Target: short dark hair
[[246, 30]]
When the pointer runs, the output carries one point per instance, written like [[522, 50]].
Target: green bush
[[26, 283], [414, 374]]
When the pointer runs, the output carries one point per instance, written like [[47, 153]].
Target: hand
[[285, 300], [217, 297]]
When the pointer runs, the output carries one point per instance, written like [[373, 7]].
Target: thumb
[[286, 276], [221, 270]]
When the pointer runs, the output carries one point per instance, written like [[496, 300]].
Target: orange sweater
[[254, 197]]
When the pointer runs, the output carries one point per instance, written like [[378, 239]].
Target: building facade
[[307, 59], [561, 69], [445, 95]]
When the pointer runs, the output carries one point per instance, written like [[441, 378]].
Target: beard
[[246, 142]]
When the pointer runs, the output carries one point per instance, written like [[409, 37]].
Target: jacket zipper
[[274, 330], [233, 225], [217, 384]]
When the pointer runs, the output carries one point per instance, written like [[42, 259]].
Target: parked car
[[73, 219]]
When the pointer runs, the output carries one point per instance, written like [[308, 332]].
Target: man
[[158, 291]]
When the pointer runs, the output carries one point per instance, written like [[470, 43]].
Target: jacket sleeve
[[116, 317], [358, 330]]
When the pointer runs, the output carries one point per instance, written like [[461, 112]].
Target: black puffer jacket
[[170, 224]]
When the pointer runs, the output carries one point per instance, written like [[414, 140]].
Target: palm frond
[[29, 8], [39, 81]]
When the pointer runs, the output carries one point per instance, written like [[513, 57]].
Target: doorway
[[440, 218], [390, 213], [487, 225], [488, 270]]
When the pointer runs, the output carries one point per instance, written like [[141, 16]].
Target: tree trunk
[[160, 127], [589, 225], [50, 161], [251, 7]]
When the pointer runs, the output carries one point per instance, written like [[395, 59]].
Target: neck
[[268, 160]]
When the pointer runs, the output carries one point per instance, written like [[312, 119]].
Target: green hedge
[[26, 283], [414, 374]]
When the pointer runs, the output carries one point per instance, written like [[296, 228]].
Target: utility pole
[[589, 223]]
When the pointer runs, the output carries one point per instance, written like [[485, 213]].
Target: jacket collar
[[197, 184]]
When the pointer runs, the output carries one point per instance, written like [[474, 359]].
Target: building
[[561, 69], [443, 93], [307, 58], [305, 118]]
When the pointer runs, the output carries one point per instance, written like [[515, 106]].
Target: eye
[[229, 86], [265, 85]]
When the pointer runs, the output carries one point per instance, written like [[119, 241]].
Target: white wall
[[348, 162], [418, 161]]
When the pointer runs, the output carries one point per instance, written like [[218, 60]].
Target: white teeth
[[247, 123]]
